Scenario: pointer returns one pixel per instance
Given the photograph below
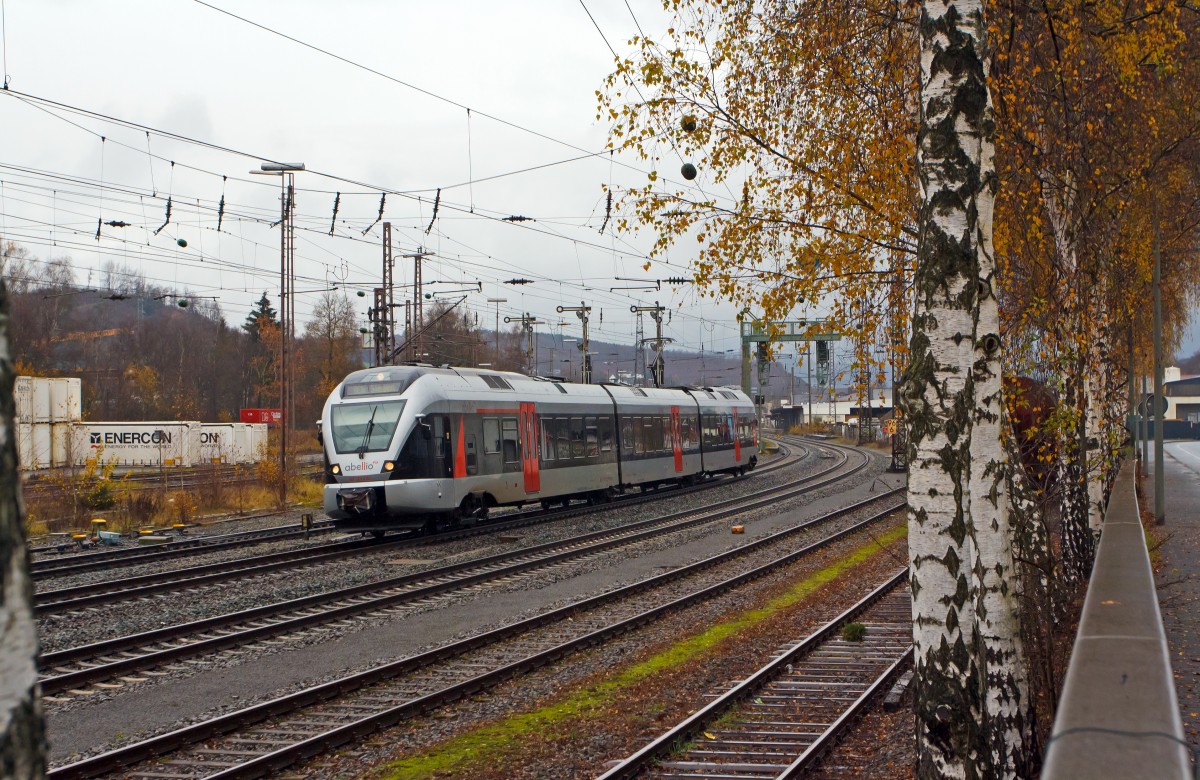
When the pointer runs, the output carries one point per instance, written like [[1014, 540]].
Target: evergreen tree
[[262, 310]]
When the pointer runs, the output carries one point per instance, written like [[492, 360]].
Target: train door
[[510, 444], [493, 462], [737, 439], [529, 448], [443, 447], [677, 439]]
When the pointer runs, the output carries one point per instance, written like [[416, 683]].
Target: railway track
[[82, 596], [780, 721], [175, 479], [181, 546], [260, 740], [74, 668]]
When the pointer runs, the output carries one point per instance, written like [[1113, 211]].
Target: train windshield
[[364, 427]]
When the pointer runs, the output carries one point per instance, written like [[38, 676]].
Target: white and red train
[[417, 447]]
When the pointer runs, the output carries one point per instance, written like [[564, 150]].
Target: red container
[[268, 416]]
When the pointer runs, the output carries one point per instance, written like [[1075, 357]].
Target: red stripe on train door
[[460, 452], [529, 448], [677, 439]]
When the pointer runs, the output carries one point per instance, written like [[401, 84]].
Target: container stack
[[46, 410], [51, 434]]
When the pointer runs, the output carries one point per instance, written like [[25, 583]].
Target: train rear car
[[728, 430]]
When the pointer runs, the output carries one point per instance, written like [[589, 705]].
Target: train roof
[[394, 380]]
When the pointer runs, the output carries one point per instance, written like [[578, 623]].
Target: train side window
[[563, 428], [667, 444], [491, 436], [511, 441], [591, 437], [606, 434], [639, 444], [577, 437], [547, 428], [647, 434], [687, 429], [626, 434], [655, 443]]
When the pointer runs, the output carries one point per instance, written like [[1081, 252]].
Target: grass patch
[[484, 746], [854, 632]]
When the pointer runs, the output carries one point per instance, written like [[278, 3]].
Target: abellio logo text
[[129, 438], [361, 465]]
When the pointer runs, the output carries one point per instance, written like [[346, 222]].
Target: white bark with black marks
[[938, 393], [22, 734]]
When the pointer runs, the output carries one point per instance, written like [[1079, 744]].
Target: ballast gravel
[[93, 706], [64, 630]]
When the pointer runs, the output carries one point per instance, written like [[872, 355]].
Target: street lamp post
[[287, 319]]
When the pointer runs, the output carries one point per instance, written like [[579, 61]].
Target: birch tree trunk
[[1007, 706], [938, 392], [22, 737]]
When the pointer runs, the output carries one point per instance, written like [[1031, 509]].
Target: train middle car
[[409, 447]]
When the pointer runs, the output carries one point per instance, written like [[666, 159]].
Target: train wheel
[[378, 534], [546, 505], [470, 511]]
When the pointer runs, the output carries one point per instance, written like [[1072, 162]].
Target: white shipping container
[[40, 453], [257, 441], [60, 444], [24, 446], [137, 443], [66, 402], [221, 443], [23, 392], [41, 399]]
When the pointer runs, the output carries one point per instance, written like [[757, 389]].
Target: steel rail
[[76, 564], [108, 658], [276, 760], [132, 556], [690, 727], [67, 599]]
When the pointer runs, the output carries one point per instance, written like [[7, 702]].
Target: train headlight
[[336, 469], [388, 465]]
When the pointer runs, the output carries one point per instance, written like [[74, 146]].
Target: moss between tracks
[[481, 746]]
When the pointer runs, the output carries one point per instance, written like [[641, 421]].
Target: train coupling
[[356, 500]]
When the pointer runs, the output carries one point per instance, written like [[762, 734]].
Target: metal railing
[[1118, 715]]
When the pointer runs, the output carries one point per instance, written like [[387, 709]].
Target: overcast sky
[[528, 72]]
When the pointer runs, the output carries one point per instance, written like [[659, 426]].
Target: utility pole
[[379, 330], [408, 327], [497, 301], [656, 312], [389, 293], [808, 365], [1159, 399], [582, 311], [416, 344], [639, 358], [287, 318], [527, 322]]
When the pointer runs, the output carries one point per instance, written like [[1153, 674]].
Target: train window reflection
[[366, 427], [491, 436]]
